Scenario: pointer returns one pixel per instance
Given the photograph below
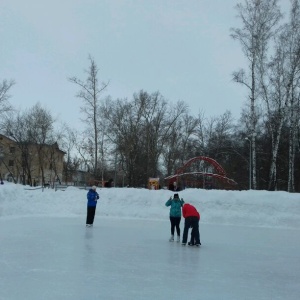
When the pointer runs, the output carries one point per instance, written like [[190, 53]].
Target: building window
[[11, 163], [12, 149]]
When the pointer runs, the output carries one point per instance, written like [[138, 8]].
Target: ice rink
[[59, 258]]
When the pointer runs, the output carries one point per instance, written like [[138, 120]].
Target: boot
[[178, 238], [171, 238]]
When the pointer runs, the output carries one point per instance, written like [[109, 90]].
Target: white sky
[[250, 246], [182, 49]]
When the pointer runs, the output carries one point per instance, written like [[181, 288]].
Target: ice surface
[[250, 246], [59, 258]]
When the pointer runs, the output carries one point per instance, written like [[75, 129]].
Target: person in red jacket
[[192, 218]]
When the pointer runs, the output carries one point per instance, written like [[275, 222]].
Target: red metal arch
[[173, 178], [217, 166], [219, 172]]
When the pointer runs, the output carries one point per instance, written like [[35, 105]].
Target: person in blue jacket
[[175, 204], [92, 198]]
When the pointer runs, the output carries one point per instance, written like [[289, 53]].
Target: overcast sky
[[180, 48]]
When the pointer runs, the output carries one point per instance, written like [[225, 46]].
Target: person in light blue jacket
[[175, 204], [92, 198]]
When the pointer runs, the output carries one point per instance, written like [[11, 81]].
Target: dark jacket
[[92, 197]]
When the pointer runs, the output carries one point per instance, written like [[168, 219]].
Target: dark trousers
[[191, 222], [195, 231], [90, 214], [175, 222]]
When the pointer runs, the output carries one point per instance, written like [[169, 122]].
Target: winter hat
[[176, 196], [94, 187]]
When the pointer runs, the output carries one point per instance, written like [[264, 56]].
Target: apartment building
[[30, 163]]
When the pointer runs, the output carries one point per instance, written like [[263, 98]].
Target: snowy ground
[[250, 246]]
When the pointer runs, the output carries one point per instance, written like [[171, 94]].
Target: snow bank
[[247, 208]]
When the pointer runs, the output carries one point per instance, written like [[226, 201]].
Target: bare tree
[[70, 144], [5, 86], [40, 133], [259, 20], [141, 130], [182, 142], [280, 92], [275, 102], [158, 119], [16, 127], [292, 34], [218, 131], [90, 91]]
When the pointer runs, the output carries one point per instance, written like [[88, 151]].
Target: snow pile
[[247, 208]]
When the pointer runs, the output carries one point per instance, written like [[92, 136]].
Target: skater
[[92, 197], [192, 218], [175, 215]]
